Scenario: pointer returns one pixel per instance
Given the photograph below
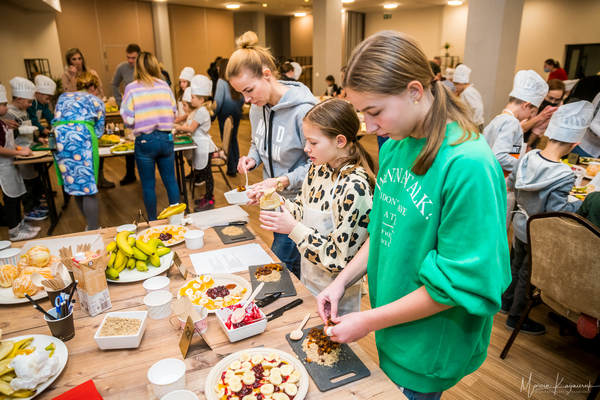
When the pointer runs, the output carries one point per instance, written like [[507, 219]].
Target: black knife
[[268, 299], [279, 312]]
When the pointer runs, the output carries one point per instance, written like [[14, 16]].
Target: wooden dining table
[[122, 374]]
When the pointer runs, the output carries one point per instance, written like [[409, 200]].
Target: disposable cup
[[10, 256], [194, 239], [181, 395], [167, 376], [64, 328]]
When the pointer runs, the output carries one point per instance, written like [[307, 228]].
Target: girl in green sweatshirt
[[437, 257]]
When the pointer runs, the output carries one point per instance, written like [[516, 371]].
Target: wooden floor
[[547, 359]]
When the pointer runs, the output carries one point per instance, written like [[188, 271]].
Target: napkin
[[86, 390]]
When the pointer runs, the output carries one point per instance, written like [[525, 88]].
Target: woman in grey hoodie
[[276, 115]]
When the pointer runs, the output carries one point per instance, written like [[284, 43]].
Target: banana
[[112, 273], [21, 344], [131, 263], [144, 247], [155, 260], [137, 253], [267, 389], [172, 210], [122, 265], [111, 246], [24, 393], [161, 251], [119, 261], [155, 243], [291, 389], [131, 240], [141, 266], [5, 348], [113, 256], [123, 243]]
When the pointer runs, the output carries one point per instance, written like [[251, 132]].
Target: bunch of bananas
[[172, 210], [109, 139], [8, 351], [123, 147], [128, 252]]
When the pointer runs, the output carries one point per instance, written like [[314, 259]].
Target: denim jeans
[[412, 395], [233, 153], [151, 150], [285, 248]]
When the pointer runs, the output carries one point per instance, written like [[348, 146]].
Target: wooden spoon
[[297, 334], [49, 283], [239, 314], [37, 279]]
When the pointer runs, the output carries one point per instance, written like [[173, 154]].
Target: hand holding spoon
[[239, 314], [297, 334]]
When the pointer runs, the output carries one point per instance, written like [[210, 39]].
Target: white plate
[[226, 279], [36, 154], [223, 365], [588, 177], [41, 342], [238, 198], [7, 296], [133, 275], [160, 228]]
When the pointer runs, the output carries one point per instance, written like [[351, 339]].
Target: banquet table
[[122, 374]]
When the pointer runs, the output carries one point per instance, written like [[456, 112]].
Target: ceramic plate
[[7, 296], [133, 275], [149, 233], [223, 280], [42, 341]]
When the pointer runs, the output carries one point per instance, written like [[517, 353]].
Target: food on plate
[[592, 170], [38, 256], [126, 252], [269, 272], [320, 349], [201, 291], [123, 147], [120, 326], [175, 231], [258, 377], [8, 273], [23, 263], [270, 201], [172, 210], [106, 140], [587, 160], [23, 285], [582, 191], [252, 316], [232, 231], [241, 188], [32, 369]]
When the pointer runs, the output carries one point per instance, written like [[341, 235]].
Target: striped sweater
[[145, 109]]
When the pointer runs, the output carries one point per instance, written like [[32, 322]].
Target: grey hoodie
[[287, 140], [540, 186]]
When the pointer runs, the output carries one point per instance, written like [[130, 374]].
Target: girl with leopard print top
[[328, 218]]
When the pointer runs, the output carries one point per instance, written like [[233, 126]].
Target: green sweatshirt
[[445, 230]]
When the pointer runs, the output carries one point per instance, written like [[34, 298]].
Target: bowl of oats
[[122, 330]]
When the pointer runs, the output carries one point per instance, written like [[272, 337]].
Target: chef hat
[[570, 122], [201, 85], [45, 85], [22, 87], [297, 70], [187, 95], [187, 74], [462, 74], [529, 87], [449, 74], [3, 98]]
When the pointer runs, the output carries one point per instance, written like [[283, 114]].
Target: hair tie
[[433, 81]]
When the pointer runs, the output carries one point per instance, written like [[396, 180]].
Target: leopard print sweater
[[351, 205]]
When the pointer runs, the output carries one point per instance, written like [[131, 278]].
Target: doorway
[[582, 60]]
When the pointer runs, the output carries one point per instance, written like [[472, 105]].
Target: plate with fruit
[[50, 355], [216, 291], [109, 140], [123, 148], [134, 260], [170, 235]]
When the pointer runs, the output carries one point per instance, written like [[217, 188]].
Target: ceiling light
[[455, 2], [343, 10], [347, 1], [390, 6], [265, 4], [303, 14], [232, 6]]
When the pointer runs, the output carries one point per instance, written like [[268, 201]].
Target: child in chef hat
[[468, 94], [199, 125], [541, 183], [45, 88], [11, 181], [185, 79]]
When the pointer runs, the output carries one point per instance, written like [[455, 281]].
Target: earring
[[416, 101]]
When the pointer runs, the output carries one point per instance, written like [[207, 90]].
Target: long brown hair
[[250, 56], [335, 117], [147, 69], [222, 67], [386, 63], [71, 52]]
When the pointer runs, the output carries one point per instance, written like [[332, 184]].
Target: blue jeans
[[151, 150], [233, 152], [581, 152], [285, 248], [412, 395]]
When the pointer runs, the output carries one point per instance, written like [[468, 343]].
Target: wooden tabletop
[[122, 374]]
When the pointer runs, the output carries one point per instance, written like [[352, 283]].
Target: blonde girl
[[328, 219], [437, 256], [185, 79]]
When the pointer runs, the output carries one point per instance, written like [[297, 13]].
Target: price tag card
[[573, 158], [186, 337], [182, 269]]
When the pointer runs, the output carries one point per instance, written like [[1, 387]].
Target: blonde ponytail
[[250, 57]]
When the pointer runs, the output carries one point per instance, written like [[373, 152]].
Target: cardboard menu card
[[88, 267]]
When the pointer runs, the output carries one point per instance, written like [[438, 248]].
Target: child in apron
[[328, 219]]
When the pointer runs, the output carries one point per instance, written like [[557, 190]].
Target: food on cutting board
[[232, 231], [320, 349], [37, 259], [202, 291], [125, 251], [252, 315], [120, 326], [592, 170], [269, 272], [171, 234], [259, 377]]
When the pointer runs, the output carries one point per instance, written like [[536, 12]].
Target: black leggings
[[88, 205], [12, 210], [206, 175]]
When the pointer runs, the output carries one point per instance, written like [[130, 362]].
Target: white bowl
[[194, 239], [167, 376], [158, 304], [124, 341], [238, 198], [10, 256], [181, 395], [5, 244], [127, 227], [156, 283], [244, 332]]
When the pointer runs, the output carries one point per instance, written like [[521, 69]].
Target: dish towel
[[86, 390]]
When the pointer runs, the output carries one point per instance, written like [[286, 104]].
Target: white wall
[[27, 34], [454, 29]]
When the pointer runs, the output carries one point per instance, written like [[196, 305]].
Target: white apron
[[205, 147], [316, 278], [10, 177], [511, 200], [25, 139]]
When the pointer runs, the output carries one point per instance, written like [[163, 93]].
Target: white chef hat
[[187, 74], [570, 122], [529, 87], [449, 74], [45, 85], [3, 98], [297, 70], [22, 87], [201, 85], [462, 74], [187, 95]]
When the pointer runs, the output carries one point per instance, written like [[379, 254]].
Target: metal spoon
[[238, 315], [297, 334]]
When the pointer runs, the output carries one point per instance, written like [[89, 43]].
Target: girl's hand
[[328, 300], [350, 328], [258, 189], [25, 152], [246, 164], [280, 222]]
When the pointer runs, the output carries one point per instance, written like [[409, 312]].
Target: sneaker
[[25, 226], [504, 309], [42, 209], [188, 176], [17, 233], [529, 327], [233, 174], [35, 216], [205, 205]]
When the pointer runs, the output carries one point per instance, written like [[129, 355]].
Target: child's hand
[[11, 123], [25, 152], [280, 222], [43, 140]]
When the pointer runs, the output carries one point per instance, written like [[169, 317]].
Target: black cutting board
[[284, 284], [246, 235], [321, 375]]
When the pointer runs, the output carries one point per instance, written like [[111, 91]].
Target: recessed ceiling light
[[343, 10], [455, 2], [390, 6], [300, 14], [265, 4], [306, 1], [347, 1], [232, 6]]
